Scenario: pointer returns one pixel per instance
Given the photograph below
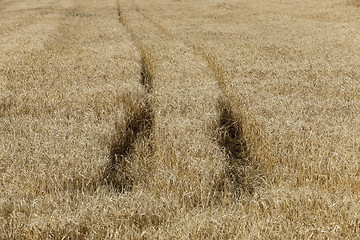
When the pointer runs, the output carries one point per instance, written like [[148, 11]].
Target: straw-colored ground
[[216, 119]]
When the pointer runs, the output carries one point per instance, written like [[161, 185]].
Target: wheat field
[[179, 119]]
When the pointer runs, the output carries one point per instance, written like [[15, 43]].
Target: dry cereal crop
[[179, 119]]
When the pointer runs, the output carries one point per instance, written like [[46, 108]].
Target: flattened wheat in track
[[188, 164]]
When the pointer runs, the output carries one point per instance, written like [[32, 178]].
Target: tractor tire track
[[124, 150], [229, 132], [194, 157], [119, 173]]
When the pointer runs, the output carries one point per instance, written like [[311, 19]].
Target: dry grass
[[179, 119]]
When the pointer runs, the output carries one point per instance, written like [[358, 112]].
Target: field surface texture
[[179, 119]]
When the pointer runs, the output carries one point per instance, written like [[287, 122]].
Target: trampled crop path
[[197, 150]]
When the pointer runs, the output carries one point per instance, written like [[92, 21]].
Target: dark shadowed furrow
[[237, 152], [118, 172], [138, 125]]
